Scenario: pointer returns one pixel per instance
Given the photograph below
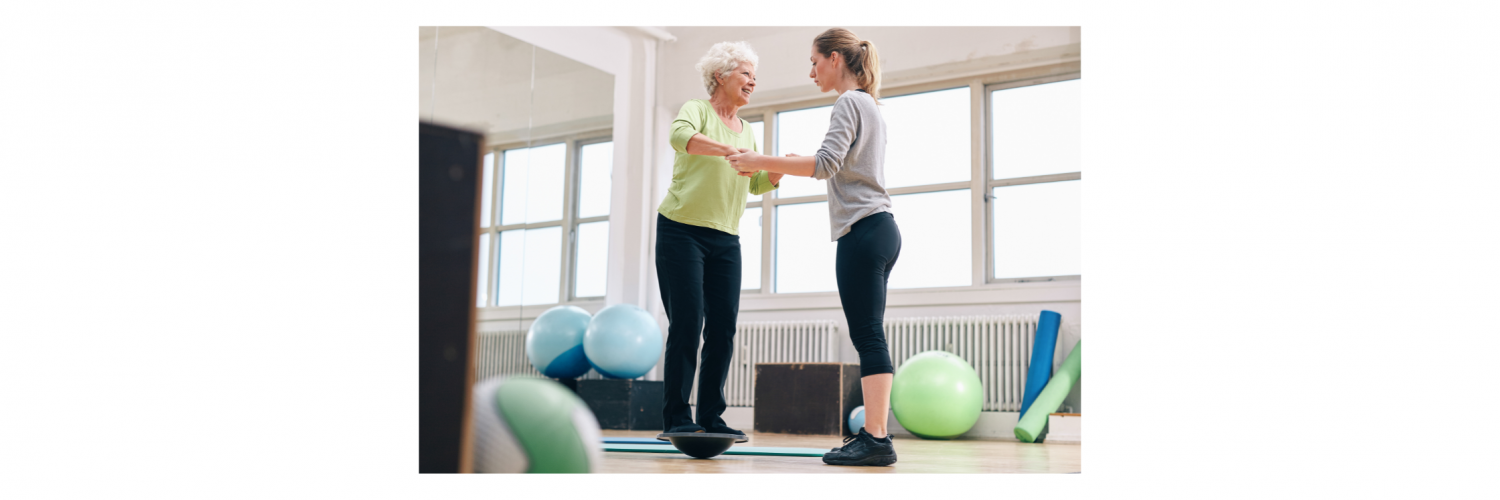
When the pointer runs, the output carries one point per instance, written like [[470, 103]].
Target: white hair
[[721, 60]]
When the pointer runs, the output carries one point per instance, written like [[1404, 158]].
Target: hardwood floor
[[915, 456]]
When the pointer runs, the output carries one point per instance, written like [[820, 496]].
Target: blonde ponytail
[[869, 76]]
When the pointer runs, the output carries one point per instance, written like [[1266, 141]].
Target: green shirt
[[705, 190]]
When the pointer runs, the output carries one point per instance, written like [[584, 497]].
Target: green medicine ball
[[525, 424], [936, 395]]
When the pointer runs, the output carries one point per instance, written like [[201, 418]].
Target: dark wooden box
[[806, 398], [624, 404]]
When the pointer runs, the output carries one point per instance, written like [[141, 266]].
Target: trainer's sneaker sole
[[878, 460]]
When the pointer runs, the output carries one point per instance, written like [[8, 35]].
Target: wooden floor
[[914, 455]]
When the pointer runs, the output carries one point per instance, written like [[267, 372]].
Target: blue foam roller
[[1041, 357]]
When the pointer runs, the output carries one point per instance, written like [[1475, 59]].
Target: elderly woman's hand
[[746, 161]]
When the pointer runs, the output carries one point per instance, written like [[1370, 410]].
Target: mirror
[[547, 122]]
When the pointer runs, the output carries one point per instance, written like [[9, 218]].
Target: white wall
[[481, 79], [783, 51]]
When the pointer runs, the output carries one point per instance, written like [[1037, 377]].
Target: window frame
[[979, 183], [570, 210], [572, 165], [991, 184], [757, 202]]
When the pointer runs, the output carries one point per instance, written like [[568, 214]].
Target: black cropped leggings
[[866, 256]]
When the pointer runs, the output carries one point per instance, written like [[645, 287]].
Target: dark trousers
[[698, 270], [866, 256]]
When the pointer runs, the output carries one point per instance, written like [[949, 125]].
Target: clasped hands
[[748, 162]]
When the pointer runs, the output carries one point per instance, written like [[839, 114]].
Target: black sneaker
[[863, 449], [722, 429], [688, 427]]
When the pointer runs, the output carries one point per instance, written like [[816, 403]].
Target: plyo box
[[806, 398]]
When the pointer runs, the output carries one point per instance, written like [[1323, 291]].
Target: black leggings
[[698, 270], [866, 256]]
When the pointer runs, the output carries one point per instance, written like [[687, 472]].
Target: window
[[591, 226], [935, 246], [801, 132], [551, 242], [1035, 181], [928, 167], [927, 138], [1004, 209], [751, 228], [1036, 229], [804, 255], [1034, 130], [758, 127], [750, 236]]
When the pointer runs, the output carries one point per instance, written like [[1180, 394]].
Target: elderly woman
[[852, 159], [697, 237]]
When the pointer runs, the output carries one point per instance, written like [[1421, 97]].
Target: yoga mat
[[627, 440], [1035, 419], [737, 450]]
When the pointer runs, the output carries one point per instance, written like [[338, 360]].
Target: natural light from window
[[936, 246], [1035, 130], [927, 138], [1037, 230]]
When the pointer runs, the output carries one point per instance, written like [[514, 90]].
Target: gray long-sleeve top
[[852, 159]]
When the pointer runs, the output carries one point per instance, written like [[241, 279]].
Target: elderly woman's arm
[[686, 139], [698, 144]]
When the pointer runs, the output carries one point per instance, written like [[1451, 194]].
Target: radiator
[[998, 347], [772, 342]]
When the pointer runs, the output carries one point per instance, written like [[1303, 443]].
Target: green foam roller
[[1051, 397]]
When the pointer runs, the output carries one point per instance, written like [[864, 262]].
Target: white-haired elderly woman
[[697, 237]]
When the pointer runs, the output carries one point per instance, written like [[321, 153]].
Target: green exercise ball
[[526, 424], [936, 395]]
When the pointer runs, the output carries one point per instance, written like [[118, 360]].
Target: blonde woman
[[852, 159], [697, 237]]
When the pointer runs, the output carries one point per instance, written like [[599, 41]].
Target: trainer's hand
[[746, 160]]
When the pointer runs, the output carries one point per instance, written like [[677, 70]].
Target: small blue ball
[[856, 419]]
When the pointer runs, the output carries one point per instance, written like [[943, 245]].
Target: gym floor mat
[[629, 440], [737, 450]]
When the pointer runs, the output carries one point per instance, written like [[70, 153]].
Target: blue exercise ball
[[623, 341], [856, 420], [555, 342]]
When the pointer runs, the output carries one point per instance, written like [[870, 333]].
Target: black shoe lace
[[850, 439]]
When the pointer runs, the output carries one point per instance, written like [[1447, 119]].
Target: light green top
[[705, 190]]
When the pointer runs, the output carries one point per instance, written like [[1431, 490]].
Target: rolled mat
[[1041, 357], [1035, 418]]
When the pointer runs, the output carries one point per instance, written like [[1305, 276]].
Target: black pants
[[866, 256], [698, 270]]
